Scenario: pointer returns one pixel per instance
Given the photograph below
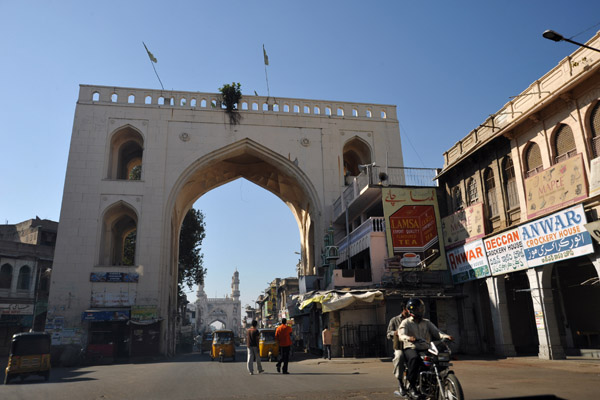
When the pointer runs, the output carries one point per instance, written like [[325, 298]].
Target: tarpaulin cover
[[333, 301]]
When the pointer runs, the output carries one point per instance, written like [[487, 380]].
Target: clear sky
[[447, 65]]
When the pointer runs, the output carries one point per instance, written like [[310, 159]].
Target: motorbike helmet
[[416, 307]]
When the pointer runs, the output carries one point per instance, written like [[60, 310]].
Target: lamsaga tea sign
[[559, 236], [468, 262], [505, 252]]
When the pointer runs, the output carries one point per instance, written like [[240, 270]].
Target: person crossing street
[[283, 338]]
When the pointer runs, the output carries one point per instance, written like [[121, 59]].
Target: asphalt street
[[194, 376]]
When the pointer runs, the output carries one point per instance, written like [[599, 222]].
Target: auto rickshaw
[[29, 355], [223, 345], [206, 342], [267, 346]]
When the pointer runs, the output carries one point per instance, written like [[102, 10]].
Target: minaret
[[235, 286]]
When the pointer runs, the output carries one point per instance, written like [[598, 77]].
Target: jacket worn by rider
[[424, 329]]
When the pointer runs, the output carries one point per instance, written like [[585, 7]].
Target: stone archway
[[185, 148]]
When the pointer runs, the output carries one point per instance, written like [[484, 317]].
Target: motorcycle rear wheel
[[452, 388]]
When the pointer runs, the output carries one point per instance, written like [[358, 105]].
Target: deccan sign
[[505, 253]]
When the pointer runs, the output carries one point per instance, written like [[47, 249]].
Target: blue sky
[[447, 65]]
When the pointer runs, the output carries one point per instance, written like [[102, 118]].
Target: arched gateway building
[[140, 158]]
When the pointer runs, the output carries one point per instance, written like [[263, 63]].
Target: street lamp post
[[557, 37]]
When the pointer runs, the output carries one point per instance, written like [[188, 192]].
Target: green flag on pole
[[150, 55], [265, 56]]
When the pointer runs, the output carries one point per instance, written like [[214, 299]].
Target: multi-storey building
[[26, 254], [519, 190]]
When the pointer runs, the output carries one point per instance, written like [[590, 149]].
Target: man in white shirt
[[417, 332]]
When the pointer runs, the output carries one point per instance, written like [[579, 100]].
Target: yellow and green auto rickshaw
[[267, 346], [29, 355], [223, 345]]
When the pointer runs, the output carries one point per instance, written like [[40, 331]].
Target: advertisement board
[[463, 226], [556, 237], [16, 309], [556, 187], [505, 252], [413, 227], [468, 262]]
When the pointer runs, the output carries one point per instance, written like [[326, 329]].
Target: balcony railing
[[383, 177], [359, 238]]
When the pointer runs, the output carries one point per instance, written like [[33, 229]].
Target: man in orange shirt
[[283, 337]]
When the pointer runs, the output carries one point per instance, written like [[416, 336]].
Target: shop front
[[109, 334]]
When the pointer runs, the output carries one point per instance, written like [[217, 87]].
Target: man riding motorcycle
[[417, 332]]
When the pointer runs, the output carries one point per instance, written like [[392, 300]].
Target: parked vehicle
[[436, 379], [205, 342], [223, 345], [267, 346], [29, 355]]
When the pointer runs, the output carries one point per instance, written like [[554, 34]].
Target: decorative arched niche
[[125, 157], [356, 152], [118, 237]]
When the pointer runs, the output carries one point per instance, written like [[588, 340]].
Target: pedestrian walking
[[252, 339], [283, 337], [327, 336]]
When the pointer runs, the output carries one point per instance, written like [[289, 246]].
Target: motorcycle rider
[[398, 362], [417, 332]]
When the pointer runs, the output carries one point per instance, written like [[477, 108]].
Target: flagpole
[[153, 61], [266, 59]]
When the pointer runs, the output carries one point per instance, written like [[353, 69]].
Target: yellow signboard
[[556, 187], [413, 227]]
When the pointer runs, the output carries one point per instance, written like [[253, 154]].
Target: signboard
[[413, 227], [539, 321], [595, 177], [556, 187], [114, 277], [112, 299], [463, 226], [103, 315], [16, 309], [557, 237], [468, 262], [505, 252], [144, 313], [594, 230]]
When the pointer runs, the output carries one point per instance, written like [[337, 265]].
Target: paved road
[[194, 376]]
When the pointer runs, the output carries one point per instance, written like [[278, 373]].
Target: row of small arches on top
[[253, 106]]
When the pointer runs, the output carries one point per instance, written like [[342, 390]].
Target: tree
[[230, 97], [191, 268]]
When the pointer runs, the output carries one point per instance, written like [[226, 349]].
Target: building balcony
[[366, 187]]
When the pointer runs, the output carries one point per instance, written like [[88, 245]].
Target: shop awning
[[334, 300]]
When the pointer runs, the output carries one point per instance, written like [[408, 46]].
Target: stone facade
[[227, 310], [140, 158]]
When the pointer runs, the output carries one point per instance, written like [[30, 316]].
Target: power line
[[409, 142], [584, 31]]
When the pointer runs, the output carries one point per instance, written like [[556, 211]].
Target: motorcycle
[[436, 379]]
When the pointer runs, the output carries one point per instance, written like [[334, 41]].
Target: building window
[[510, 183], [564, 144], [457, 202], [119, 236], [472, 191], [595, 124], [533, 160], [24, 278], [126, 153], [490, 192], [6, 276]]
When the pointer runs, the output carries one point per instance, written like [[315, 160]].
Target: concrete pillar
[[550, 347], [504, 345]]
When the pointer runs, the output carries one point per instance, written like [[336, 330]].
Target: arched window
[[472, 196], [457, 202], [24, 278], [564, 144], [490, 192], [510, 183], [533, 160], [6, 276], [355, 153], [595, 125], [126, 151], [119, 233]]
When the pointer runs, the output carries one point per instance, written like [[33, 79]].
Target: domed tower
[[235, 286]]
